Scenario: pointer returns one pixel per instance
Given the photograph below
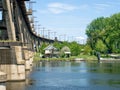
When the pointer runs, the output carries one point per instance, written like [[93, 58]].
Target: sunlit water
[[70, 76]]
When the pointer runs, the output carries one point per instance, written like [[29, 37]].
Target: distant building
[[51, 51], [65, 51]]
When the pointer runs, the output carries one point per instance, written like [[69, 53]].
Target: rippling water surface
[[70, 76]]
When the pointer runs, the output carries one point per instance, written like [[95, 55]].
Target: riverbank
[[72, 58]]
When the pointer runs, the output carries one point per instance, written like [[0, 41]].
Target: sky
[[69, 18]]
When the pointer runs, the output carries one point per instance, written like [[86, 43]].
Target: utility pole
[[54, 35], [43, 31], [60, 37], [64, 37], [38, 29], [36, 22], [48, 34]]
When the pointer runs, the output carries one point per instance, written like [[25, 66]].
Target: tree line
[[75, 48]]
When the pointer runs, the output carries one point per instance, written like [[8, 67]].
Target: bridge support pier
[[28, 57], [14, 60], [11, 63], [14, 72], [17, 72], [17, 55]]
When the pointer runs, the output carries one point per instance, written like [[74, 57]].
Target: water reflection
[[112, 68], [2, 86], [59, 75], [15, 85]]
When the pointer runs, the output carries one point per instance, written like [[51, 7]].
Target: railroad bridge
[[17, 40]]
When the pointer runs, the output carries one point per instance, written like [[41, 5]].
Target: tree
[[43, 45], [75, 48], [100, 47], [93, 31], [87, 49], [107, 30]]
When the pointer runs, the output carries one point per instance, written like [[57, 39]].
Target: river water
[[62, 75]]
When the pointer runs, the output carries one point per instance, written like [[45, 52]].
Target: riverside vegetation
[[77, 51], [103, 36]]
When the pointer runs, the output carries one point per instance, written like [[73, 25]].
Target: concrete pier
[[2, 87], [17, 50], [14, 61], [3, 77], [28, 57], [14, 72]]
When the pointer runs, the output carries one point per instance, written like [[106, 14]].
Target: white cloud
[[101, 7], [80, 38], [58, 8]]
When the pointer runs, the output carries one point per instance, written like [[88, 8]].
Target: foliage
[[41, 48], [100, 46], [104, 33], [58, 45], [75, 48], [87, 50]]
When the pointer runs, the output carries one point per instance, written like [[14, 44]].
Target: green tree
[[93, 31], [107, 30], [43, 45], [87, 50], [101, 47], [75, 48]]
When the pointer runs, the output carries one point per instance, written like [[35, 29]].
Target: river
[[65, 75]]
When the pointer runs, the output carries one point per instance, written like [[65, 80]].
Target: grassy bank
[[87, 57], [84, 57]]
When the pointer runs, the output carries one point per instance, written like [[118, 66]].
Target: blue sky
[[70, 17]]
